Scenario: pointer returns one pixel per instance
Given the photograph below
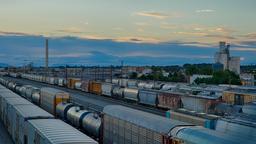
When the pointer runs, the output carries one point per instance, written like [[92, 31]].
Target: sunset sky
[[140, 32]]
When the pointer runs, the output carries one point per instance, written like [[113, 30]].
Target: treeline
[[221, 77]]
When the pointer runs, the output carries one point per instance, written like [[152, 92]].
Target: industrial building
[[223, 57]]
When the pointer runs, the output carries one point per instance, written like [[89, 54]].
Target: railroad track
[[92, 101]]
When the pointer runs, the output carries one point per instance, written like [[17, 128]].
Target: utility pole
[[122, 65], [111, 73], [46, 56]]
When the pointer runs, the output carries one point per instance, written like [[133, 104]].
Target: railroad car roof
[[147, 120], [17, 101], [58, 132], [32, 111]]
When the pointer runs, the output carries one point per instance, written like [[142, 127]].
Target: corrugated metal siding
[[51, 97], [146, 120], [85, 86], [106, 89], [121, 132], [195, 104], [20, 115], [95, 87], [148, 97], [56, 132], [169, 100]]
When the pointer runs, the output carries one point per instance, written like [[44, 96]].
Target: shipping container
[[169, 100], [148, 97], [106, 89], [60, 132], [71, 82], [51, 97], [95, 87], [131, 94]]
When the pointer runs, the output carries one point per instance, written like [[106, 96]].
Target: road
[[92, 101], [4, 136]]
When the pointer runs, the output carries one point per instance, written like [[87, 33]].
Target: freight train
[[157, 95], [118, 124], [26, 123]]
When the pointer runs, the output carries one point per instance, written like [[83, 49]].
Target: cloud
[[166, 25], [218, 36], [205, 11], [118, 29], [191, 33], [250, 36], [141, 24], [156, 15], [73, 30], [93, 37], [136, 39], [221, 30], [7, 33], [244, 49], [162, 55]]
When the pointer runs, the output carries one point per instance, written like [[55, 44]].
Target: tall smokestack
[[46, 54]]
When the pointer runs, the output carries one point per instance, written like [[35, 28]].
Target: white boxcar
[[53, 131], [9, 103], [5, 94], [106, 89], [20, 114]]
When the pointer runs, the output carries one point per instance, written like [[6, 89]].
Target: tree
[[133, 75], [221, 77]]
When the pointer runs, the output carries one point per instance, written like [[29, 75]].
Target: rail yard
[[121, 112]]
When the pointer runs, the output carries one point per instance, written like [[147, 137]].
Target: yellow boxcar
[[238, 98], [95, 87], [71, 82]]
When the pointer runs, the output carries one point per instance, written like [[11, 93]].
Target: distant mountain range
[[3, 65]]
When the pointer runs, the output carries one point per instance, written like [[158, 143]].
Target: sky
[[138, 32]]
